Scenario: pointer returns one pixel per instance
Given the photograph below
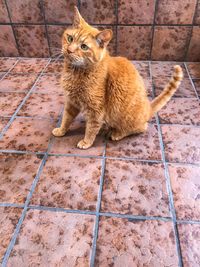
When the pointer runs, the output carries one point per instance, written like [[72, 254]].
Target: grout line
[[45, 25], [22, 103], [116, 26], [153, 28], [96, 226], [8, 72], [14, 205], [191, 81], [29, 196], [168, 184]]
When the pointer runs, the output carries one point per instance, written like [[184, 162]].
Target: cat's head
[[83, 44]]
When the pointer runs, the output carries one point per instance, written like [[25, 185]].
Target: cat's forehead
[[82, 34]]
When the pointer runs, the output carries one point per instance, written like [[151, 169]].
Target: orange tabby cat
[[107, 90]]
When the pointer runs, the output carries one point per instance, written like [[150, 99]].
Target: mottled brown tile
[[3, 12], [185, 183], [123, 242], [28, 134], [194, 69], [193, 51], [7, 63], [9, 218], [142, 146], [35, 65], [61, 185], [55, 33], [3, 122], [197, 86], [55, 66], [98, 11], [25, 11], [43, 105], [56, 239], [136, 12], [8, 45], [17, 82], [185, 89], [181, 143], [134, 42], [32, 40], [181, 111], [2, 74], [197, 14], [143, 68], [60, 11], [17, 173], [170, 42], [135, 188], [49, 84], [165, 69], [68, 143], [9, 102], [175, 11], [189, 235]]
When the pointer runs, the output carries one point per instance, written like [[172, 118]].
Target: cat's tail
[[168, 91]]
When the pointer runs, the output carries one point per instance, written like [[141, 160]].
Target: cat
[[107, 90]]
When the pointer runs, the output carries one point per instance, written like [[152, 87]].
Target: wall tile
[[60, 11], [32, 41], [197, 14], [3, 12], [194, 48], [8, 45], [134, 42], [170, 42], [175, 11], [55, 34], [25, 11], [136, 11], [98, 11]]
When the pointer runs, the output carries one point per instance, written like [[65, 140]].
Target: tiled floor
[[130, 203]]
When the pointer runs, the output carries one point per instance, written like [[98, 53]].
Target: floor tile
[[49, 84], [54, 66], [9, 102], [189, 235], [194, 69], [148, 86], [17, 173], [3, 122], [185, 89], [181, 111], [43, 105], [67, 182], [7, 63], [30, 65], [142, 146], [165, 69], [123, 242], [17, 82], [197, 86], [185, 182], [135, 188], [68, 143], [53, 239], [2, 74], [9, 217], [181, 143], [143, 68], [28, 134]]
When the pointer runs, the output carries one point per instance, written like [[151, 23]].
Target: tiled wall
[[143, 29]]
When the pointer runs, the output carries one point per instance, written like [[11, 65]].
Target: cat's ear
[[104, 37], [78, 20]]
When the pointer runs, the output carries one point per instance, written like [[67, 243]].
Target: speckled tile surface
[[135, 188], [153, 243], [115, 204], [62, 185], [9, 217], [54, 239]]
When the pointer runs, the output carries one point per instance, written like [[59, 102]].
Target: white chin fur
[[78, 63]]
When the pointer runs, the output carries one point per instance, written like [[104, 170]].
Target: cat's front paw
[[58, 132], [83, 145]]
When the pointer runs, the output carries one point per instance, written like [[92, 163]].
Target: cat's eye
[[69, 38], [84, 47]]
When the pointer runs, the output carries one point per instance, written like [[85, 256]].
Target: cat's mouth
[[75, 60]]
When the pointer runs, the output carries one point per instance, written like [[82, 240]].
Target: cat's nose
[[71, 49]]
